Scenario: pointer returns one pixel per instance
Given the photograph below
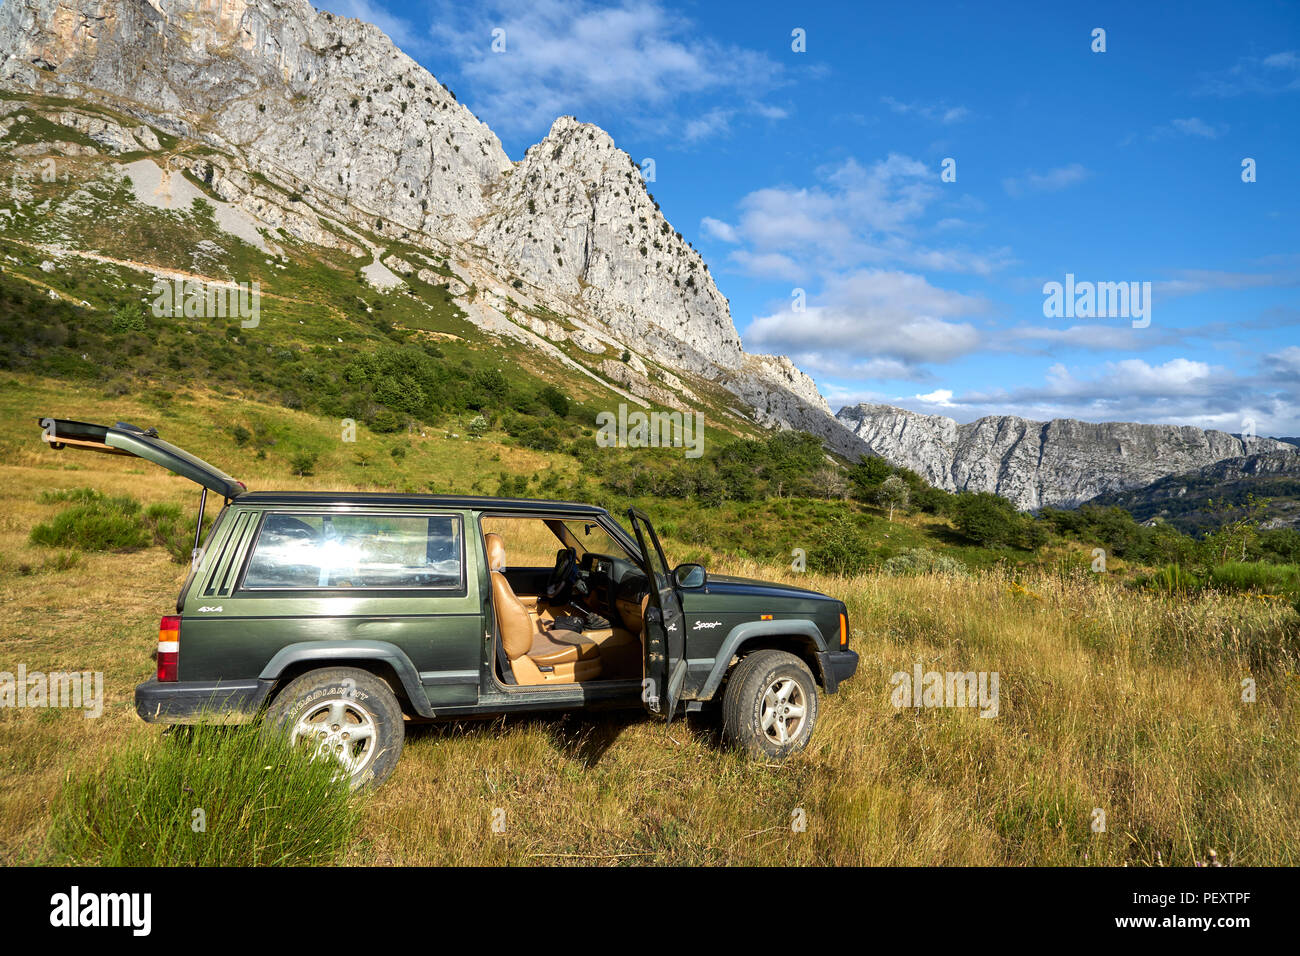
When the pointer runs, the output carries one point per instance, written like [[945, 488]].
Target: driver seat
[[534, 658]]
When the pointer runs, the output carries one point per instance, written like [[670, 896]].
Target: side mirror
[[690, 576]]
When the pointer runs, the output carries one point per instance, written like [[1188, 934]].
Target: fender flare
[[741, 633], [327, 653]]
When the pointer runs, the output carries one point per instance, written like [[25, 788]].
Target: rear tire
[[770, 706], [345, 714]]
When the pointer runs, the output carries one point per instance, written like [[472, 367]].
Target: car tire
[[766, 690], [326, 712]]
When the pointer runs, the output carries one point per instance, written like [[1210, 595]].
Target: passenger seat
[[534, 657]]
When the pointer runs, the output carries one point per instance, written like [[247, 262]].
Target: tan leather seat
[[534, 658]]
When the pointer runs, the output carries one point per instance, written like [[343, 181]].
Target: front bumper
[[837, 666], [187, 702]]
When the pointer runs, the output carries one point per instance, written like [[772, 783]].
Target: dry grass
[[1109, 698]]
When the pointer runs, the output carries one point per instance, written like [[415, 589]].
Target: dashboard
[[616, 587]]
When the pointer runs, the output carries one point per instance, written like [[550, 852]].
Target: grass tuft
[[204, 796]]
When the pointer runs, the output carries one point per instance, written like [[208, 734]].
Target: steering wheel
[[563, 576]]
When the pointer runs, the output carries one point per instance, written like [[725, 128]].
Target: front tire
[[770, 706], [343, 714]]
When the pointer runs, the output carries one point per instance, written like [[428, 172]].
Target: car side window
[[297, 551]]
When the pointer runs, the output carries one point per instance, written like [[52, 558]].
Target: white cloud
[[569, 56], [713, 123], [1287, 360], [1275, 73], [872, 316], [1192, 281], [1116, 337], [1050, 181], [856, 215], [1180, 391], [940, 396], [936, 112], [1191, 126], [719, 229]]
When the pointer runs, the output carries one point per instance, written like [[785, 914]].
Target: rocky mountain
[[1061, 463], [1182, 499], [318, 126]]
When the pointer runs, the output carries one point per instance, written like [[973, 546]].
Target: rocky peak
[[575, 216]]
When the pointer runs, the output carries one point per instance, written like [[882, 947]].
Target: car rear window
[[356, 551]]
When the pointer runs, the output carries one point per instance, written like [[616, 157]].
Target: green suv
[[340, 616]]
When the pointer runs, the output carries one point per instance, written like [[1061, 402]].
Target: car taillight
[[169, 647], [844, 629]]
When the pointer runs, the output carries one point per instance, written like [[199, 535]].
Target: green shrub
[[385, 421], [128, 318], [303, 463], [205, 796], [841, 548], [555, 400], [108, 524]]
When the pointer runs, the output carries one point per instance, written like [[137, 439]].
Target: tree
[[303, 463], [893, 493], [986, 519], [555, 400], [867, 475]]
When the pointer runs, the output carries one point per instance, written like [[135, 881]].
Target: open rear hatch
[[124, 439]]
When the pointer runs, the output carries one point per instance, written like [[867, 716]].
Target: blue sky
[[821, 171]]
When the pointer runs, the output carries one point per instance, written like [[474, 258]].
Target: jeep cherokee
[[338, 616]]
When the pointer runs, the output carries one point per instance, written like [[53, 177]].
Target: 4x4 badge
[[205, 609]]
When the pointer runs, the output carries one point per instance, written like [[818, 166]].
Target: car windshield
[[594, 539]]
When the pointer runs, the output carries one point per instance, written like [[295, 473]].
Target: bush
[[986, 519], [205, 796], [385, 421], [841, 548], [555, 400], [922, 561], [303, 463], [106, 524], [128, 318], [512, 486]]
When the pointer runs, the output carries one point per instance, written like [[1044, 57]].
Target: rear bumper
[[837, 666], [181, 702]]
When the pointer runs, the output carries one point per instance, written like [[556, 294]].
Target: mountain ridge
[[1183, 499], [1060, 463]]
